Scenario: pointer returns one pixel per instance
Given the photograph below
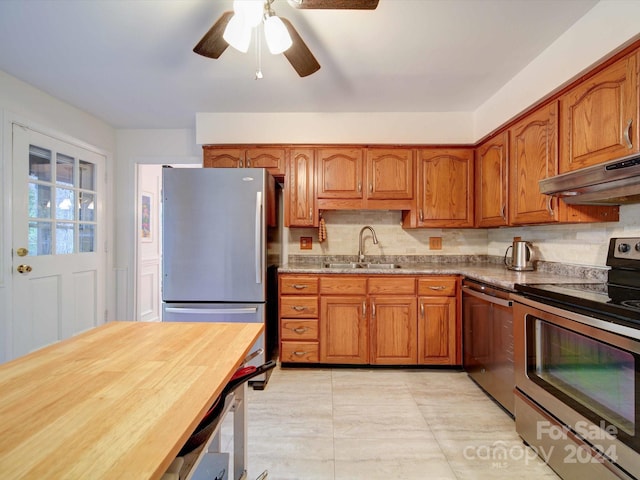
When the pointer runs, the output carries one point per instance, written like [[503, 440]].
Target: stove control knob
[[638, 247], [624, 248]]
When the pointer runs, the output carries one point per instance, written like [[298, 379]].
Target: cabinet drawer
[[437, 286], [396, 285], [295, 284], [298, 329], [298, 307], [301, 352], [343, 285]]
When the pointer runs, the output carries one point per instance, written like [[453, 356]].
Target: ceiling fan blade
[[298, 54], [212, 44], [335, 4]]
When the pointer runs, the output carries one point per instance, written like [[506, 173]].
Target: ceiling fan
[[234, 27]]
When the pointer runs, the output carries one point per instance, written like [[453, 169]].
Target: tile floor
[[349, 424]]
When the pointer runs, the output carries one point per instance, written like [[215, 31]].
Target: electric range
[[617, 300]]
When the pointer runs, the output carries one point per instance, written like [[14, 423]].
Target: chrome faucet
[[361, 242]]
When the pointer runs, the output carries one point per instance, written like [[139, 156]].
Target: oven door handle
[[488, 298]]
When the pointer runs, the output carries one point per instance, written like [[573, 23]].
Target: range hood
[[612, 183]]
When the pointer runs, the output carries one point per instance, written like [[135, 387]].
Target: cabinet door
[[600, 117], [299, 195], [437, 337], [389, 173], [445, 188], [533, 156], [491, 182], [273, 159], [344, 336], [214, 157], [339, 173], [394, 330]]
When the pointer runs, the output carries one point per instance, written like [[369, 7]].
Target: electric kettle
[[520, 259]]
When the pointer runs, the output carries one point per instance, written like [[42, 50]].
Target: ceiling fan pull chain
[[258, 34]]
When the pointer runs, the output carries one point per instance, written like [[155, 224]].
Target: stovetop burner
[[617, 300]]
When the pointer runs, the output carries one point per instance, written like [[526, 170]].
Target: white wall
[[22, 102], [342, 127], [608, 26], [135, 147]]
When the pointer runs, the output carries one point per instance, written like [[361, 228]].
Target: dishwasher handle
[[488, 298]]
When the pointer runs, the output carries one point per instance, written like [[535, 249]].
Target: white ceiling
[[130, 62]]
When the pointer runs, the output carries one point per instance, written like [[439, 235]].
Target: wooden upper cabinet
[[445, 188], [365, 178], [390, 173], [600, 117], [214, 157], [533, 156], [271, 158], [339, 173], [491, 182], [299, 192]]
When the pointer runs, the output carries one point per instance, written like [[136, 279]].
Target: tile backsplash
[[584, 244]]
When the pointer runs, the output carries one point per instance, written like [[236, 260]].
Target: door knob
[[24, 268], [22, 252]]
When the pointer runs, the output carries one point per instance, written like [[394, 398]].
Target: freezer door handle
[[258, 242], [212, 311]]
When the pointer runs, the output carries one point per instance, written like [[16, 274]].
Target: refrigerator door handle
[[212, 311], [258, 243]]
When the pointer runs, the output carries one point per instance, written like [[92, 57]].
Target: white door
[[59, 264]]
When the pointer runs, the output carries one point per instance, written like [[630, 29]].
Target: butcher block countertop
[[115, 402]]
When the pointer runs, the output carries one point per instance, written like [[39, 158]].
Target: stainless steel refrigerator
[[220, 254]]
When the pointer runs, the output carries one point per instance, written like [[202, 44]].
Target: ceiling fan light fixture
[[238, 33], [277, 35], [251, 11]]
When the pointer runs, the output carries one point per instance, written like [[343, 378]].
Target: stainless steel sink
[[361, 265]]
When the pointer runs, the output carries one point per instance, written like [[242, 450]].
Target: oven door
[[585, 372]]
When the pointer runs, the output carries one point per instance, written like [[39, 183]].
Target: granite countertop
[[486, 269]]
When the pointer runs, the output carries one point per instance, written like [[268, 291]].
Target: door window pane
[[64, 169], [86, 238], [86, 207], [64, 238], [87, 174], [39, 163], [39, 201], [39, 238], [65, 204]]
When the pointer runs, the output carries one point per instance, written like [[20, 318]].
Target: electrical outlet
[[305, 243], [435, 243]]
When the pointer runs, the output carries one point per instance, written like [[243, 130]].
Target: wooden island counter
[[115, 402]]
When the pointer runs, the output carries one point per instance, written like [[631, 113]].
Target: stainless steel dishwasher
[[487, 326]]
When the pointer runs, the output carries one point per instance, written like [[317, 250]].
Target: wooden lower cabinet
[[370, 319], [344, 333], [394, 330], [437, 331]]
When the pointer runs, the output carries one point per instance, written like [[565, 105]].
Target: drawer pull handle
[[420, 216], [437, 287], [299, 354], [300, 329], [422, 310], [299, 286], [298, 308], [364, 309]]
